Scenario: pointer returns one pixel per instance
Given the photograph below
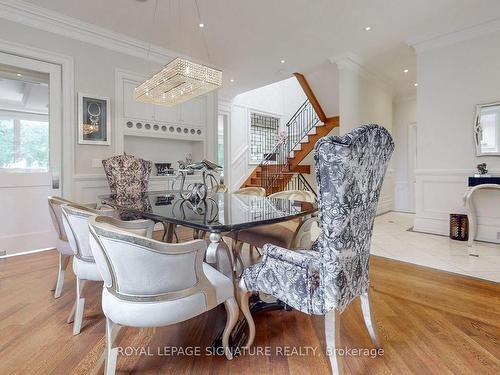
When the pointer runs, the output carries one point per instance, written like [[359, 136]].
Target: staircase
[[280, 169]]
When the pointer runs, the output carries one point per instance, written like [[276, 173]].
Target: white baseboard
[[385, 206]]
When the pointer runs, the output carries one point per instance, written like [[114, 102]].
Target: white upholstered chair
[[63, 248], [75, 221], [148, 283], [258, 191]]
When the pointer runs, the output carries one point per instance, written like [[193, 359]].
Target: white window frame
[[249, 119]]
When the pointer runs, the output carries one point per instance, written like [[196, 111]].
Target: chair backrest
[[349, 172], [128, 176], [75, 222], [137, 268], [55, 204], [258, 191], [295, 195]]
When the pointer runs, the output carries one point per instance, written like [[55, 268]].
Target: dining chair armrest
[[292, 276], [303, 259]]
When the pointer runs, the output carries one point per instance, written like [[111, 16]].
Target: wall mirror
[[487, 129]]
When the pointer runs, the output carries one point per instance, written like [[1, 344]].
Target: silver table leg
[[218, 253], [169, 231]]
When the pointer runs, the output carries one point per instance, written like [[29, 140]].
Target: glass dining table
[[218, 214]]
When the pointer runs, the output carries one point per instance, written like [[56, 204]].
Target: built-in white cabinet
[[132, 108], [190, 114], [158, 133], [167, 114], [193, 112]]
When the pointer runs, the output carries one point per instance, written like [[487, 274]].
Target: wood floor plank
[[429, 322]]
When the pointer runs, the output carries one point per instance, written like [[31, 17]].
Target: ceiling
[[248, 38], [23, 90]]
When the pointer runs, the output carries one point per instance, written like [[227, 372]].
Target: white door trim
[[412, 155], [68, 104], [226, 119]]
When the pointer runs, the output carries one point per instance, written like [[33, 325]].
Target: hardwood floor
[[430, 322]]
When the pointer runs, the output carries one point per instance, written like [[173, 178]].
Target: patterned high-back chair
[[323, 281], [128, 177]]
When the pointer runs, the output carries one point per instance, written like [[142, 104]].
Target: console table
[[475, 184]]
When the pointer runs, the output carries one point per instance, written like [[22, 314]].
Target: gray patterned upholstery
[[349, 171], [128, 176]]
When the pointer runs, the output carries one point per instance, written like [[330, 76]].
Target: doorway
[[222, 149], [30, 151]]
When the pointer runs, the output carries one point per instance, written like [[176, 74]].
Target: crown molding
[[54, 22], [422, 44], [354, 63]]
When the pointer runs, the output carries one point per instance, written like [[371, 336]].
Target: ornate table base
[[239, 335]]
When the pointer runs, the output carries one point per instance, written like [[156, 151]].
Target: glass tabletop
[[220, 212]]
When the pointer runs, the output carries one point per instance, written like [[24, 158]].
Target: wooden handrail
[[310, 95]]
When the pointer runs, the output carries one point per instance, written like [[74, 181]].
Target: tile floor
[[391, 239]]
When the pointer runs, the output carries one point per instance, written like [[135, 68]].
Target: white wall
[[366, 99], [280, 99], [404, 115], [452, 80], [363, 99], [324, 82]]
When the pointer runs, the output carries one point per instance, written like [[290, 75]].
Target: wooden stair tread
[[303, 147]]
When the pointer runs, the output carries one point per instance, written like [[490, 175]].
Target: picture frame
[[94, 122]]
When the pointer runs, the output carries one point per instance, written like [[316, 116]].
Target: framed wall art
[[94, 125]]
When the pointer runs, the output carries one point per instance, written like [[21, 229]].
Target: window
[[263, 135], [24, 120], [24, 144]]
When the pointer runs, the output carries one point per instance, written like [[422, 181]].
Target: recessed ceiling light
[[282, 61], [368, 28], [406, 71], [415, 84], [19, 75], [201, 25], [231, 80]]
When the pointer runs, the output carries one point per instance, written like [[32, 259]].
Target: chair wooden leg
[[245, 309], [255, 248], [61, 268], [369, 321], [71, 317], [111, 353], [232, 311], [80, 306], [332, 334]]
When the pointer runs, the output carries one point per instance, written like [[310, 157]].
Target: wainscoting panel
[[440, 192], [89, 187]]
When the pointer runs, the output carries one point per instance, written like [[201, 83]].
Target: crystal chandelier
[[179, 81]]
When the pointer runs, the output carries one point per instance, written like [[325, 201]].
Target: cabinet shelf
[[155, 129]]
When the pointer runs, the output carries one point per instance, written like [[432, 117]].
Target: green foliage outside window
[[7, 150], [24, 144]]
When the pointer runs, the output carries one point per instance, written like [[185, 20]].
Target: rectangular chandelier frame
[[179, 81]]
